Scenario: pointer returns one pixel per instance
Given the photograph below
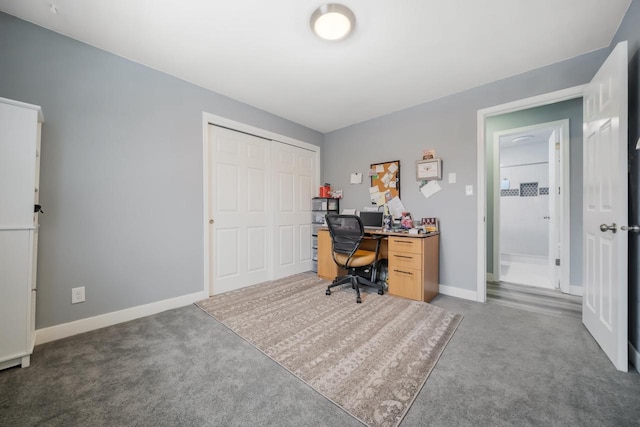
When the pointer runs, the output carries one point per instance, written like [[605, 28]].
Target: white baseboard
[[634, 357], [458, 292], [64, 330], [575, 290]]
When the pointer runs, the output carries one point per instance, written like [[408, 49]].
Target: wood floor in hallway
[[533, 299]]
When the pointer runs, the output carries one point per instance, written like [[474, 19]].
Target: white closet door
[[239, 206], [294, 171]]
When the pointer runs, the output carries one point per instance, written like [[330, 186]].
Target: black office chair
[[347, 232]]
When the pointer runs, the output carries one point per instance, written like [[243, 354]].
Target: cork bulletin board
[[386, 176]]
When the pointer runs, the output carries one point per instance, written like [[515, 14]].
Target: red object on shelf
[[325, 190]]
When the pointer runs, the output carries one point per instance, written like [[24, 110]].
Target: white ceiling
[[402, 53]]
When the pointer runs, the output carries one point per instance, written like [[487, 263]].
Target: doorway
[[530, 169], [485, 187]]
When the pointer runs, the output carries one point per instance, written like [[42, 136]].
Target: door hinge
[[557, 262]]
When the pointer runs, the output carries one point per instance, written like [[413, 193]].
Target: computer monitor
[[371, 219]]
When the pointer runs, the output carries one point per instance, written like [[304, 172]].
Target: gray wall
[[629, 31], [572, 110], [121, 177]]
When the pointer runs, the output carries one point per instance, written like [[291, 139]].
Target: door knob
[[631, 228], [210, 221], [604, 228]]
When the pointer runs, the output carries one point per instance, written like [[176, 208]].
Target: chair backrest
[[346, 232]]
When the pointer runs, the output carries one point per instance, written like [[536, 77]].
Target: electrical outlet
[[77, 295], [468, 190]]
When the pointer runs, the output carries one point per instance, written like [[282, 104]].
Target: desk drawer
[[406, 283], [405, 244], [405, 259]]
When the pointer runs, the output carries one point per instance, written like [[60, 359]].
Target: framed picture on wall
[[428, 169]]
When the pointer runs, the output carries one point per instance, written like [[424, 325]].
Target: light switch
[[468, 190], [452, 178]]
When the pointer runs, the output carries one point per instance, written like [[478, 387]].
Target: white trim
[[576, 290], [496, 202], [452, 291], [491, 277], [565, 197], [92, 323], [207, 119], [205, 203], [20, 104], [17, 227], [634, 356], [522, 104]]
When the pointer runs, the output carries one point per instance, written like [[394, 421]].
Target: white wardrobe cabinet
[[20, 126]]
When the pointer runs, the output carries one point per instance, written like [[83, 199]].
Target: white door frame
[[561, 215], [212, 119], [483, 114]]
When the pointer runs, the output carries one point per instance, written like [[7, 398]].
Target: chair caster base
[[358, 300], [380, 292], [327, 292]]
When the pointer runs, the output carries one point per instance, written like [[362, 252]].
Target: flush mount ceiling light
[[522, 138], [333, 21]]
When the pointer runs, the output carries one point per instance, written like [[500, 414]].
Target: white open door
[[605, 188]]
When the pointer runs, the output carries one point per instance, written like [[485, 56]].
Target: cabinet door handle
[[404, 272]]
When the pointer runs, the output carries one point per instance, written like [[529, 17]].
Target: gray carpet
[[371, 359], [502, 367]]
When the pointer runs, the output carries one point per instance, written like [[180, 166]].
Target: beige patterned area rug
[[371, 359]]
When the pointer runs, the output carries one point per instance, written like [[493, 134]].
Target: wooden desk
[[413, 262]]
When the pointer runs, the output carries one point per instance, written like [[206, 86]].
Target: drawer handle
[[404, 272], [403, 256], [403, 241]]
